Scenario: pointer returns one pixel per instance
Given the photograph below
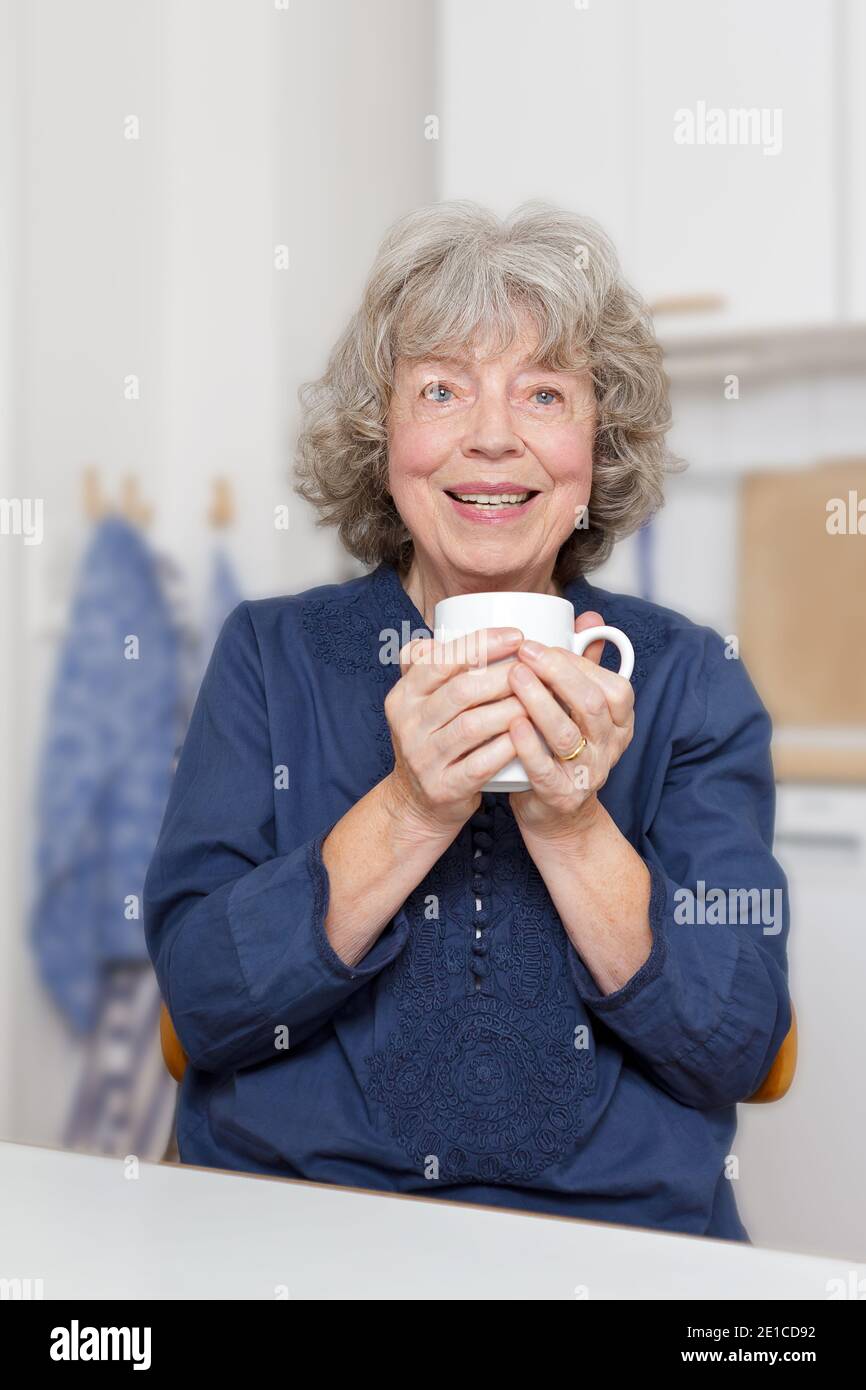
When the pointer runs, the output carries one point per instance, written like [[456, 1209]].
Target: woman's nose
[[490, 430]]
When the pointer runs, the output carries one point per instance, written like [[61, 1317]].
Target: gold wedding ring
[[567, 757]]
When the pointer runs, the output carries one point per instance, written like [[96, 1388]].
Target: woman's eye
[[440, 392], [550, 393]]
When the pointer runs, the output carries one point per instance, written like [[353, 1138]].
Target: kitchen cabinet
[[578, 105], [741, 213]]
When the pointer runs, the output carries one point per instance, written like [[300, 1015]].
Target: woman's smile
[[488, 504]]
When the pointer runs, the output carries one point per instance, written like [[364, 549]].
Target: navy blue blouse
[[470, 1054]]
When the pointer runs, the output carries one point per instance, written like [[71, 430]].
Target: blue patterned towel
[[113, 725], [223, 594]]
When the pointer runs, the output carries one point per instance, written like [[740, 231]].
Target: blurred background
[[191, 192]]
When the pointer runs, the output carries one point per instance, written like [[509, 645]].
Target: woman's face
[[494, 426]]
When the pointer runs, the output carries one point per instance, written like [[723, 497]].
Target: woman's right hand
[[449, 715]]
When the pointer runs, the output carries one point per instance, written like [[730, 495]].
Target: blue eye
[[438, 387], [545, 391]]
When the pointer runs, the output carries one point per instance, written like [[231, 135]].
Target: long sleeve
[[236, 931], [709, 1008]]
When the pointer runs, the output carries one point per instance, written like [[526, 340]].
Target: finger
[[432, 662], [618, 691], [584, 621], [546, 774], [619, 698], [470, 773], [465, 690], [584, 698], [561, 729], [474, 726]]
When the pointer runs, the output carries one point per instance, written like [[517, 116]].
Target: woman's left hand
[[599, 707]]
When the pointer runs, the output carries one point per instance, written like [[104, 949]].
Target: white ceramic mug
[[541, 618]]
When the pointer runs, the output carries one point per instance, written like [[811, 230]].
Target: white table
[[78, 1224]]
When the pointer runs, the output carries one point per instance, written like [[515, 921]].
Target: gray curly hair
[[442, 273]]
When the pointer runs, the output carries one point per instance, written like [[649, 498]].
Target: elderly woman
[[383, 975]]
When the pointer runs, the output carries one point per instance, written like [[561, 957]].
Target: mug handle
[[581, 640]]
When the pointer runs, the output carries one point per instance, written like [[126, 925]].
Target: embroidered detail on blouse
[[342, 634], [420, 985], [530, 959], [345, 631], [384, 742], [481, 1071], [648, 634], [483, 1088]]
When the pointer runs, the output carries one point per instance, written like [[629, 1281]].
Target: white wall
[[11, 556]]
